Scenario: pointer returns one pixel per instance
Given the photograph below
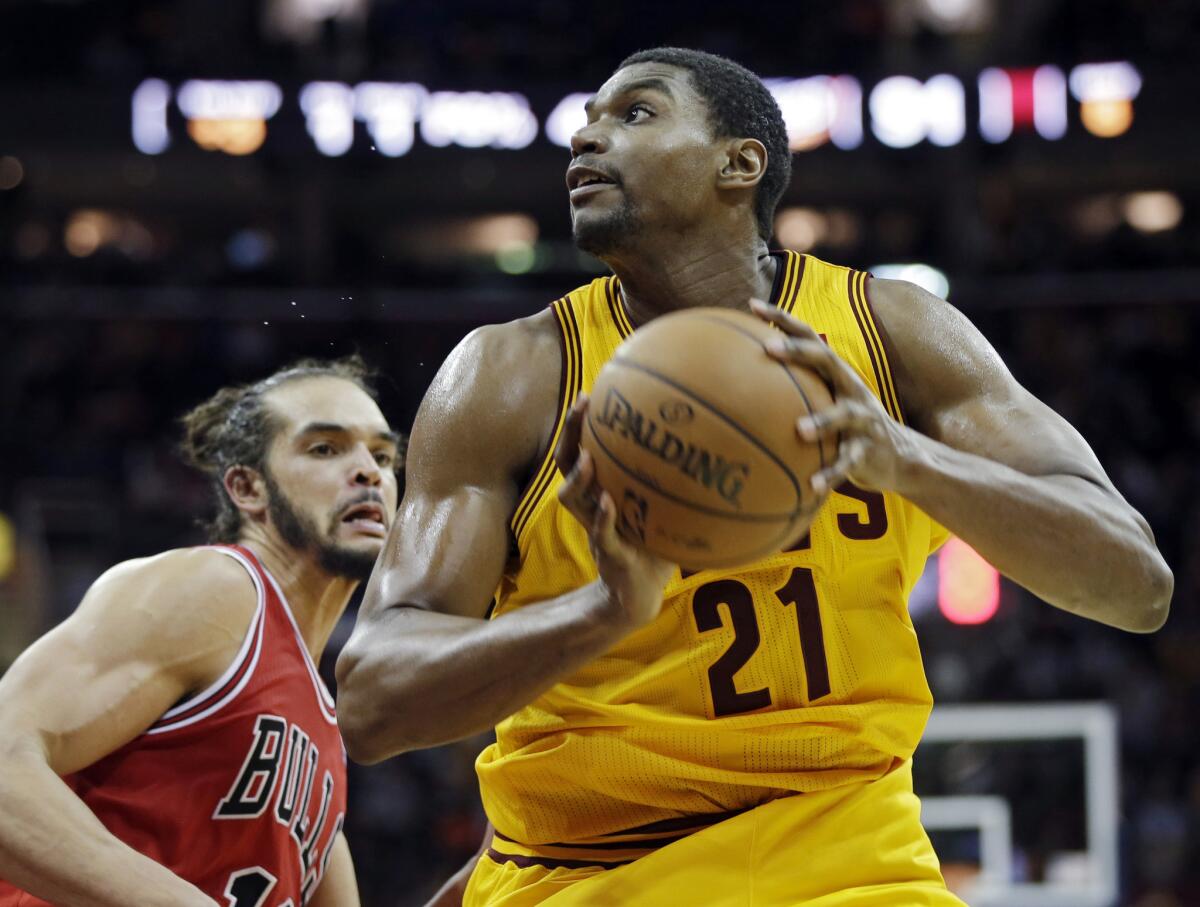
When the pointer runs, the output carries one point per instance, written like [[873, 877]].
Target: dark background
[[132, 286]]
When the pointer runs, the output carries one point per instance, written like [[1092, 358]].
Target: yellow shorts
[[857, 846]]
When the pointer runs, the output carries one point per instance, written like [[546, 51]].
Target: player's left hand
[[873, 446]]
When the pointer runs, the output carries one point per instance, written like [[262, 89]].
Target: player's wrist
[[612, 614], [915, 464]]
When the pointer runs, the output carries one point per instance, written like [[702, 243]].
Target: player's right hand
[[632, 579]]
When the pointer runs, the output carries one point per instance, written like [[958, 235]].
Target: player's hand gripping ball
[[692, 427]]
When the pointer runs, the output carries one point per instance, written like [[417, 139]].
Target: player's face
[[331, 473], [647, 159]]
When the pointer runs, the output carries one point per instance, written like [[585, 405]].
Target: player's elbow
[[1154, 604], [371, 710]]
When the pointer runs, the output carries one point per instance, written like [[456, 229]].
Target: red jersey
[[241, 789]]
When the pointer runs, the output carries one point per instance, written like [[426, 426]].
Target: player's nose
[[588, 140], [366, 470]]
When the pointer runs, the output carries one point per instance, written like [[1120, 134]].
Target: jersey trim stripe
[[873, 328], [790, 294], [236, 676], [522, 862], [572, 381], [324, 698], [616, 307], [855, 281], [563, 384]]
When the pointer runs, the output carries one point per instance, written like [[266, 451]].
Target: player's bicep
[[475, 437], [85, 689], [108, 672], [1009, 425]]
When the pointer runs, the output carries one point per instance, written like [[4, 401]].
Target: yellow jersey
[[800, 672]]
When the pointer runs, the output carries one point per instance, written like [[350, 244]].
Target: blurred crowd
[[542, 39]]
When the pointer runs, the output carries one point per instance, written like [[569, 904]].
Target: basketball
[[692, 427]]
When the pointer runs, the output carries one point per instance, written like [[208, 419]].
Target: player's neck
[[316, 597], [689, 273]]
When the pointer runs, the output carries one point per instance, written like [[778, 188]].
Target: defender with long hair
[[171, 742]]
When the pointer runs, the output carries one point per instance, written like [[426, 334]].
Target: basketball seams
[[808, 407], [637, 366]]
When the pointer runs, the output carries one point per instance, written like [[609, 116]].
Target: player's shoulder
[[521, 345], [182, 591]]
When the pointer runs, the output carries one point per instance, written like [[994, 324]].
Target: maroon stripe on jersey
[[690, 823], [228, 687], [209, 700], [522, 862], [867, 339]]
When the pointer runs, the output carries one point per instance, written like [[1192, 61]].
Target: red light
[[968, 586]]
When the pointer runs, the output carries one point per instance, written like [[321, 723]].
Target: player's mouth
[[367, 518], [583, 182]]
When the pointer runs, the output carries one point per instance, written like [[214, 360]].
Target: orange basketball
[[692, 427]]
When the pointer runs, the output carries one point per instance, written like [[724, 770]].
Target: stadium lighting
[[923, 275], [820, 109], [1012, 99], [11, 173], [1106, 92], [968, 586], [1152, 212], [477, 119], [329, 116], [567, 118], [800, 228], [150, 100], [391, 111], [228, 116], [905, 111]]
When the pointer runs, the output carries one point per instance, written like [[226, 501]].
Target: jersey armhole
[[570, 382], [235, 677], [861, 306]]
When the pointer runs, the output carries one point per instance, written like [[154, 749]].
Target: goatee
[[301, 533], [601, 235]]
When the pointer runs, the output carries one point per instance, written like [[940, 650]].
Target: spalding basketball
[[692, 427]]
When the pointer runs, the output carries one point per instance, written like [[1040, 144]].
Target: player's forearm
[[54, 847], [1069, 541], [409, 678]]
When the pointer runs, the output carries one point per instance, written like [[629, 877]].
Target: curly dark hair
[[739, 106], [235, 427]]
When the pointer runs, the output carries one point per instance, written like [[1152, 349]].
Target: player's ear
[[744, 165], [247, 489]]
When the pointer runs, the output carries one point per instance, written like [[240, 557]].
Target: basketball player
[[734, 737], [171, 742]]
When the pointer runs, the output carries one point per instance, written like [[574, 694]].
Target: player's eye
[[383, 458], [323, 449], [631, 115]]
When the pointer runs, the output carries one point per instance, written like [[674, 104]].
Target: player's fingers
[[816, 354], [604, 524], [566, 451], [850, 455], [845, 416], [578, 493], [790, 325]]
